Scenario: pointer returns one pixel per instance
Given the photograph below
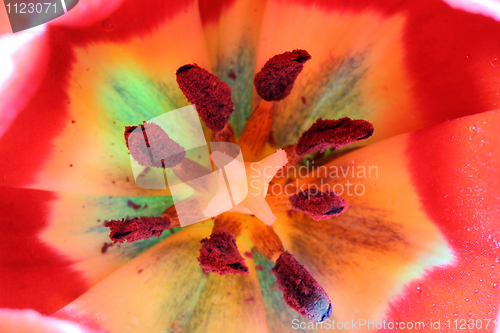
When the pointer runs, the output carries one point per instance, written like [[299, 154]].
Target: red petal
[[32, 274], [460, 190]]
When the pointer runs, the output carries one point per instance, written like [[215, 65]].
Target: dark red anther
[[211, 96], [151, 146], [275, 80], [320, 205], [136, 228], [219, 254], [333, 133], [300, 290]]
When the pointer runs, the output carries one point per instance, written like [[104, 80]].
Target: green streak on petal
[[241, 63], [116, 208], [334, 94], [130, 97], [281, 316], [190, 281]]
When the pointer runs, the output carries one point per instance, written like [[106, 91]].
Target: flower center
[[219, 253]]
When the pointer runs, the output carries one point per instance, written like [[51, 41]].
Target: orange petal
[[356, 60]]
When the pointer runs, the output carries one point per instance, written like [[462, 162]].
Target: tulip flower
[[406, 235]]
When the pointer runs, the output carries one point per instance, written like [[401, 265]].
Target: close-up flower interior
[[351, 167]]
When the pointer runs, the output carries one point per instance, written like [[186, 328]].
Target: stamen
[[293, 158], [320, 205], [275, 80], [159, 151], [231, 222], [256, 132], [332, 133], [265, 239], [137, 228], [211, 96], [225, 135], [171, 212], [219, 254], [300, 290]]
